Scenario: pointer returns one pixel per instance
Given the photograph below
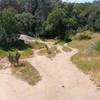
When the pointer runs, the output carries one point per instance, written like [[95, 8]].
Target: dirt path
[[61, 80]]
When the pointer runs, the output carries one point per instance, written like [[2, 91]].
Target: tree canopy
[[25, 23], [47, 18]]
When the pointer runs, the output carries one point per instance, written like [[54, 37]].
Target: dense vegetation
[[58, 21]]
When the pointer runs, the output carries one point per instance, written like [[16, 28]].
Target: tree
[[56, 23], [2, 33], [97, 23], [39, 8], [9, 3], [60, 23], [25, 23], [7, 24]]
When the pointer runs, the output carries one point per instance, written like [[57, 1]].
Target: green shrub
[[2, 53], [84, 35], [17, 57], [14, 57], [98, 45]]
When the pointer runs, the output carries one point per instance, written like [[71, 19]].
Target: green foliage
[[7, 24], [11, 58], [25, 22], [7, 20], [14, 58], [63, 20], [98, 45], [56, 23], [97, 23], [27, 53], [12, 23], [2, 53], [17, 57], [85, 36], [70, 18], [2, 33]]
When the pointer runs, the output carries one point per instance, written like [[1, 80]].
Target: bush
[[97, 23], [2, 53], [98, 45], [84, 35], [56, 24], [14, 58]]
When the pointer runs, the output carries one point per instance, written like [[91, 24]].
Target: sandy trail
[[61, 80]]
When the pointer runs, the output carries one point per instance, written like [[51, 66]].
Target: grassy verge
[[26, 49], [88, 63], [66, 49], [2, 53], [81, 44], [27, 53], [43, 52], [26, 72], [60, 42], [37, 45], [46, 53], [49, 54], [51, 40], [33, 45], [56, 41]]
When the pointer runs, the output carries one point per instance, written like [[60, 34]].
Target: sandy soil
[[61, 80]]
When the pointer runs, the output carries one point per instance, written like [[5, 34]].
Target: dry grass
[[66, 49], [56, 41], [46, 53], [43, 52], [81, 44], [51, 40], [26, 72], [27, 53], [2, 53], [95, 76], [88, 63], [37, 45], [60, 42], [50, 54]]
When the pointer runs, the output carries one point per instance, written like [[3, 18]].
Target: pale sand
[[61, 80]]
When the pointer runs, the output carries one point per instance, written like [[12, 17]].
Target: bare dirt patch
[[26, 72]]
